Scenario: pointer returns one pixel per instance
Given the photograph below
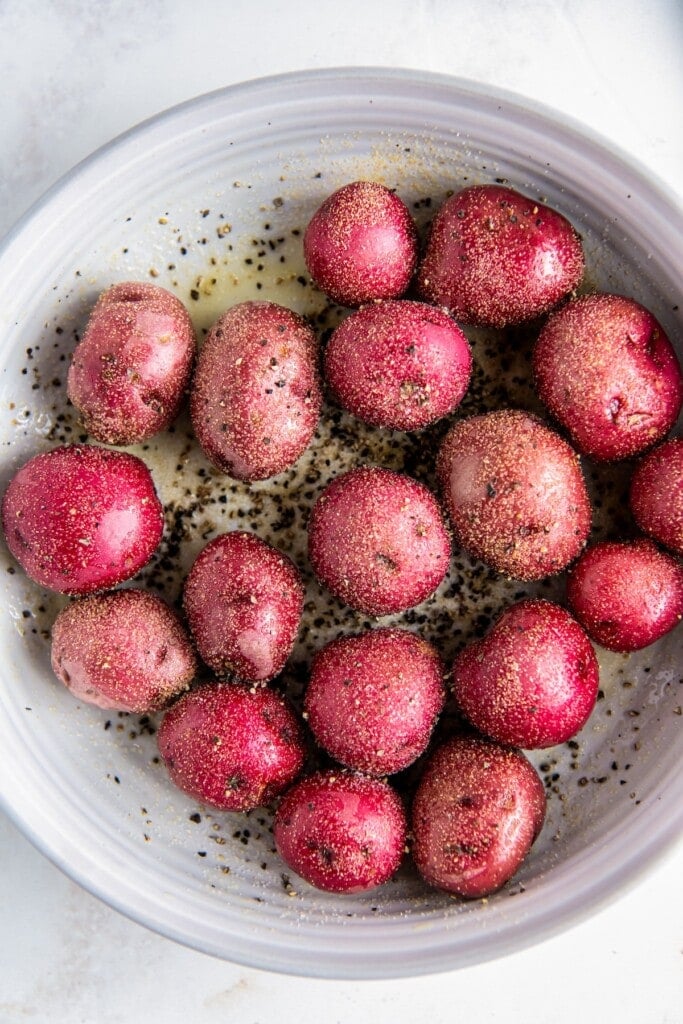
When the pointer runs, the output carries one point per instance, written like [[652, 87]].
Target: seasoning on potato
[[342, 832], [232, 747], [398, 364], [243, 600], [478, 808], [361, 244], [532, 681], [130, 372], [81, 518], [656, 494], [514, 493], [609, 375], [255, 397], [373, 698], [125, 650], [626, 594], [495, 258], [378, 541]]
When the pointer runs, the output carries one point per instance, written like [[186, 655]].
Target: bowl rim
[[593, 894], [542, 111]]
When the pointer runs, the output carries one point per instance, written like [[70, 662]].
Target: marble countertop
[[77, 73]]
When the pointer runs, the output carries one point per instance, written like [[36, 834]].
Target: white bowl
[[169, 198]]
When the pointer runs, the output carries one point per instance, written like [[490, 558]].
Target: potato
[[361, 244], [496, 258], [255, 398], [477, 810], [608, 373], [514, 492], [626, 594], [130, 371], [532, 682], [656, 494], [82, 518], [231, 747], [125, 650], [377, 540], [398, 364], [342, 833], [243, 600], [372, 699]]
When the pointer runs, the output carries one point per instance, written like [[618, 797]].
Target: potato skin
[[361, 244], [243, 600], [81, 518], [231, 747], [515, 493], [255, 398], [656, 494], [532, 682], [626, 594], [130, 371], [477, 810], [125, 650], [495, 257], [377, 540], [609, 375], [341, 832], [373, 699], [398, 364]]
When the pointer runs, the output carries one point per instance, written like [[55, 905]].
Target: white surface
[[74, 74]]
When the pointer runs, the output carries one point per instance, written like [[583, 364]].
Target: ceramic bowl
[[210, 200]]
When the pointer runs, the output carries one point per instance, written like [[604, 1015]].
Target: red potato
[[255, 398], [125, 650], [626, 594], [657, 494], [373, 699], [496, 258], [243, 600], [515, 493], [361, 244], [232, 747], [342, 833], [377, 540], [477, 810], [532, 682], [607, 372], [130, 371], [398, 364], [81, 518]]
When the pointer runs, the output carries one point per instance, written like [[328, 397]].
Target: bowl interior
[[211, 200]]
